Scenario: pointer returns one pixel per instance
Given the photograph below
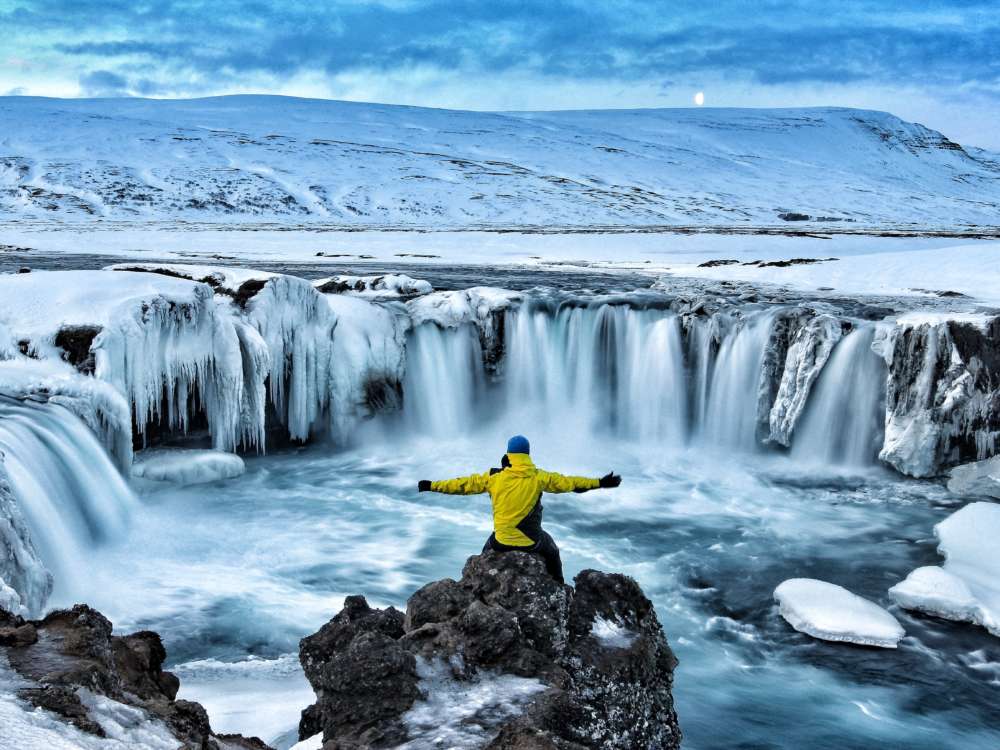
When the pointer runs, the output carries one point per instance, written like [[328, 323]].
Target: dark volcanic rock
[[598, 651], [74, 648]]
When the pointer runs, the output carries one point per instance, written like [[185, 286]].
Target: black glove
[[424, 485], [610, 480]]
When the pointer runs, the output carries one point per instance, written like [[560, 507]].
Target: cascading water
[[637, 373], [66, 487], [444, 378], [842, 423]]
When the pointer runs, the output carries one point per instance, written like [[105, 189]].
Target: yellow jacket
[[515, 492]]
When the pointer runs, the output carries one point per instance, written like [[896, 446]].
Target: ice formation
[[967, 586], [943, 397], [806, 356], [832, 613], [186, 465], [977, 478]]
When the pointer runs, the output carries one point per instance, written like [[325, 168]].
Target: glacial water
[[233, 574]]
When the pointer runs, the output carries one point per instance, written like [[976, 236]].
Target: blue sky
[[934, 62]]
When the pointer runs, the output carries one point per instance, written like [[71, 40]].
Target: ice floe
[[832, 613], [186, 465], [966, 587]]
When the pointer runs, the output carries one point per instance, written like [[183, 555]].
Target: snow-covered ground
[[276, 158]]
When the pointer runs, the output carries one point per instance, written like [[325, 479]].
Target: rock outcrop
[[593, 666], [71, 653], [943, 399]]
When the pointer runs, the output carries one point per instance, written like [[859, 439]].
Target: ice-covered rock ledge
[[67, 681], [510, 658]]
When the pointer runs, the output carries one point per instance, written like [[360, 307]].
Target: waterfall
[[842, 423], [66, 487], [731, 404], [444, 379], [589, 370]]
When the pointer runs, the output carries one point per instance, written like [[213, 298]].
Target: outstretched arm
[[552, 482], [470, 485]]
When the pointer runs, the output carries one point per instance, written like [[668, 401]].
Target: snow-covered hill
[[262, 158]]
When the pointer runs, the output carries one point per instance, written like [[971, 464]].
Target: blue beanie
[[518, 444]]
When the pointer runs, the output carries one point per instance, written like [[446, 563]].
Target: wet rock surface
[[505, 616], [73, 649]]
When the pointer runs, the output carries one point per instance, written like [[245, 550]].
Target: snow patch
[[612, 634], [463, 713], [832, 613], [966, 587]]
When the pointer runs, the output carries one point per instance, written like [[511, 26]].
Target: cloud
[[103, 83], [507, 50]]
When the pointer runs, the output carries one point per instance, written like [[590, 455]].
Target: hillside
[[263, 158]]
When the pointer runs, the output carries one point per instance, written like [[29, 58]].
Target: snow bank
[[978, 478], [186, 466], [452, 309], [386, 286], [832, 613], [967, 586]]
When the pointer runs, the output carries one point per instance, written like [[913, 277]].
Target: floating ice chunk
[[387, 285], [832, 613], [612, 634], [186, 466], [967, 587], [977, 478], [463, 713]]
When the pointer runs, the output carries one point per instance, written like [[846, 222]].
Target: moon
[[699, 98]]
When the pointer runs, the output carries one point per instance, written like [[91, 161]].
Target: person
[[516, 491]]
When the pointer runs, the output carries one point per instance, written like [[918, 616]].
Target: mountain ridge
[[270, 158]]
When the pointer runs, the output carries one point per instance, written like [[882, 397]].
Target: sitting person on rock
[[516, 491]]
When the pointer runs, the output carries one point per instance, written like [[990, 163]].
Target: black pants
[[545, 547]]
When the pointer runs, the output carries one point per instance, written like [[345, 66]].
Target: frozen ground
[[865, 264]]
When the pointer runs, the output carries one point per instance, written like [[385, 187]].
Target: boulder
[[73, 650], [590, 664]]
